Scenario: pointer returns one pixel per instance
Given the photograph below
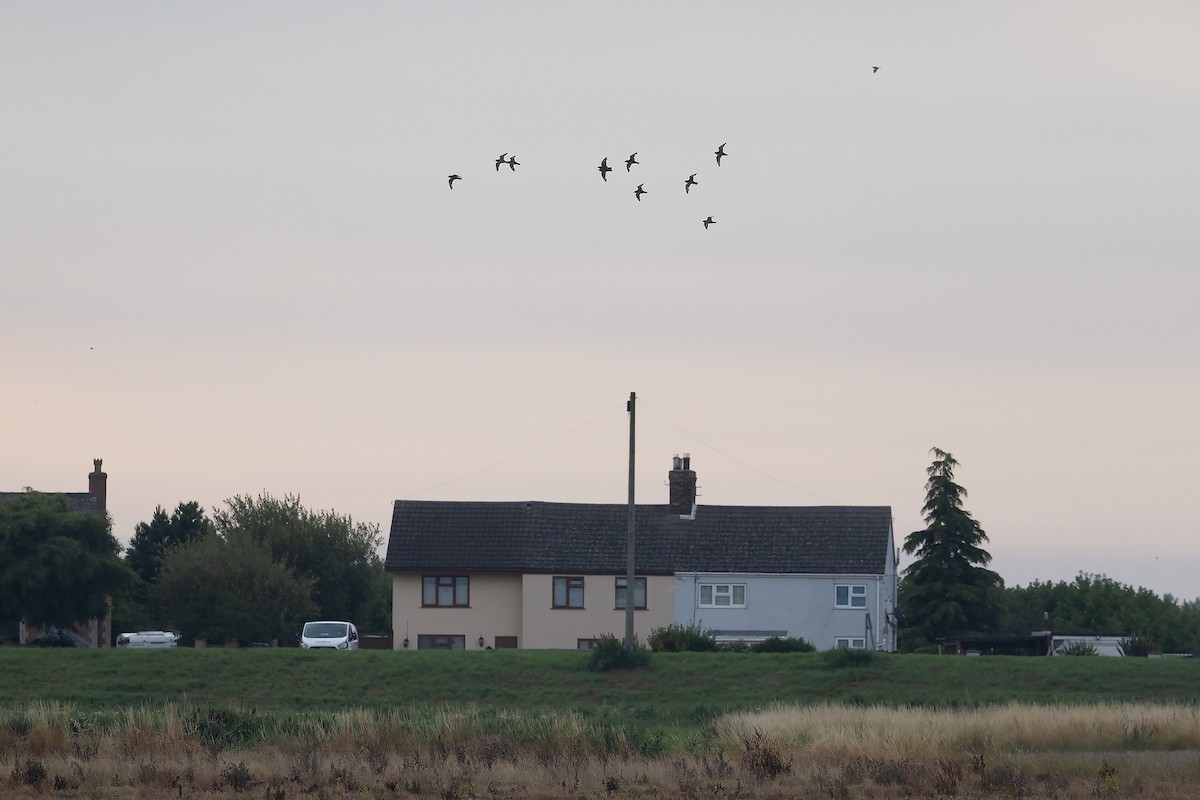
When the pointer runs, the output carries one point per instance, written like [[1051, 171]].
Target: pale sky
[[232, 263]]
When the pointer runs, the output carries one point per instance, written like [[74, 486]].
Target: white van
[[148, 639], [329, 635]]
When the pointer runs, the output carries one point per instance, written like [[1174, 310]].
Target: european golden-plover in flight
[[690, 182], [604, 168], [629, 162], [454, 178], [500, 161], [513, 163], [709, 221], [638, 192], [720, 153], [874, 70]]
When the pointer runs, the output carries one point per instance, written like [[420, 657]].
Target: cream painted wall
[[561, 628], [495, 610]]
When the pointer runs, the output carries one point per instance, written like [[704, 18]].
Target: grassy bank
[[677, 687], [289, 723]]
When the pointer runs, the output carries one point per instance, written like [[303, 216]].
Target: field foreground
[[826, 751], [520, 724]]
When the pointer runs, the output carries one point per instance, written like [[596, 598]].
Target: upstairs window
[[453, 591], [639, 592], [568, 592], [850, 596], [722, 595]]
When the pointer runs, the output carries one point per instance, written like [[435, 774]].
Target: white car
[[329, 635], [148, 639]]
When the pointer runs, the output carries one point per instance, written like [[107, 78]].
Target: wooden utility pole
[[631, 406]]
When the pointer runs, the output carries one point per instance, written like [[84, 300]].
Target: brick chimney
[[682, 481], [98, 486]]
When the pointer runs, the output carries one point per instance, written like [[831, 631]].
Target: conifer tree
[[948, 589]]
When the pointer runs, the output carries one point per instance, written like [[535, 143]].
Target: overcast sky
[[232, 262]]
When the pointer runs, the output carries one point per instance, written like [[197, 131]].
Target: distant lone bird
[[638, 192], [629, 162], [454, 178], [513, 163], [604, 168], [709, 221], [874, 70], [721, 153], [500, 161], [690, 182]]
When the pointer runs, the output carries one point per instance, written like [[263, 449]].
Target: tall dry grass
[[832, 731], [839, 752]]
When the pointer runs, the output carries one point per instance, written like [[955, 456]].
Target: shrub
[[777, 644], [1139, 645], [844, 657], [676, 638], [609, 653], [1077, 647], [763, 758]]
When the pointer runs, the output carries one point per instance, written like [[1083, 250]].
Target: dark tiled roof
[[76, 501], [534, 537]]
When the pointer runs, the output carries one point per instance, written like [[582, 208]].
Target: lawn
[[677, 687]]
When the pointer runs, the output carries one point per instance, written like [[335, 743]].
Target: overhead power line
[[737, 461], [521, 454]]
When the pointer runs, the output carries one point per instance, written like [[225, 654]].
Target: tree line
[[948, 591], [254, 571], [260, 566]]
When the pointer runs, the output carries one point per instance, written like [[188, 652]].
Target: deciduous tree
[[220, 589], [948, 588], [332, 550], [57, 566]]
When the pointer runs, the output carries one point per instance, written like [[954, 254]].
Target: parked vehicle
[[148, 640], [329, 635], [59, 637]]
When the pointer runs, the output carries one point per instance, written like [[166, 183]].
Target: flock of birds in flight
[[604, 169]]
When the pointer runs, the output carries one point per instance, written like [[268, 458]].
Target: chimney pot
[[682, 484], [98, 485]]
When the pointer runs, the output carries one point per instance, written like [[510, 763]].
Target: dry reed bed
[[848, 731], [839, 752]]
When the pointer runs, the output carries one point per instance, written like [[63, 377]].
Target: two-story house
[[553, 575]]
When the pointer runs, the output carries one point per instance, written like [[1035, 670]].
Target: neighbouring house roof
[[538, 537], [76, 501]]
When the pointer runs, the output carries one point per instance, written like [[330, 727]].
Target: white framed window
[[722, 595], [850, 596], [850, 643]]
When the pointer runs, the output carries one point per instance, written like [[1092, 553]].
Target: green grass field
[[676, 688], [288, 723]]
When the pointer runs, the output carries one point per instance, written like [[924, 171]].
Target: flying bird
[[690, 182], [638, 192], [874, 70], [500, 161], [629, 162], [513, 163], [454, 178], [604, 168], [709, 221], [721, 153]]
